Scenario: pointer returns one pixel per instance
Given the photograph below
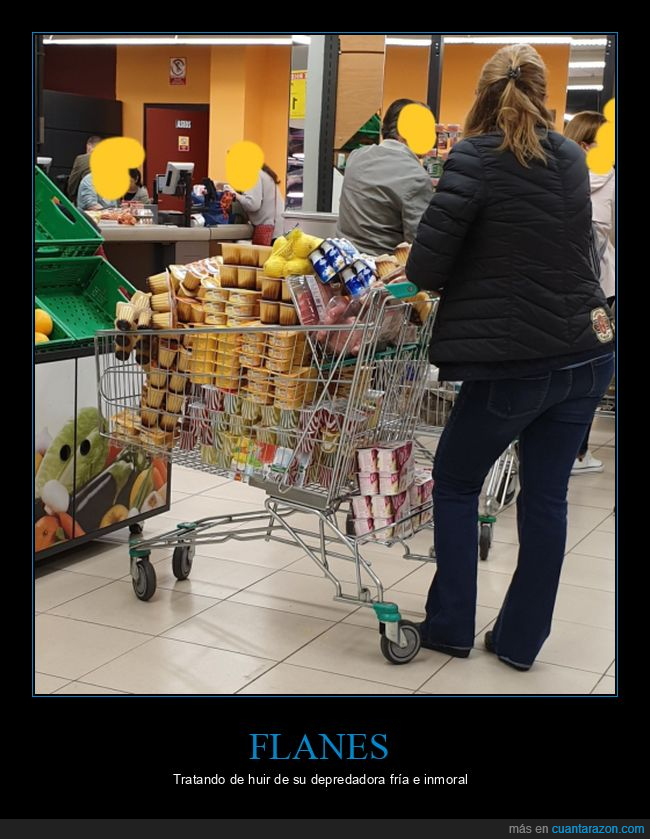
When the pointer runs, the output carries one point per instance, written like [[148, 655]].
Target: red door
[[176, 133]]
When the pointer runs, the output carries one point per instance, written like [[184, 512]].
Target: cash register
[[176, 181]]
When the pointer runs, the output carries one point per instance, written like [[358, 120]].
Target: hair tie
[[514, 72]]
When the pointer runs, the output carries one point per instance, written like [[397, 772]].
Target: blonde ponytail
[[511, 99]]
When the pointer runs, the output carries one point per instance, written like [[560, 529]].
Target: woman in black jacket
[[524, 324]]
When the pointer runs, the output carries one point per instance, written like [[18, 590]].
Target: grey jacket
[[264, 203], [385, 192], [87, 197]]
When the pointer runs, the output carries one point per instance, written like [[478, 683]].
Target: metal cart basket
[[286, 409]]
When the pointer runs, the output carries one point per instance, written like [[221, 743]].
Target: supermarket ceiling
[[586, 63]]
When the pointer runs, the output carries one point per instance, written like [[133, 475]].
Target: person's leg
[[524, 621], [525, 618], [486, 418], [584, 446], [585, 462]]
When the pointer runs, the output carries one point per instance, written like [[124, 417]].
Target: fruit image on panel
[[85, 483]]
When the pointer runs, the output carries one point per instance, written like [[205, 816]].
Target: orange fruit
[[39, 338], [43, 322]]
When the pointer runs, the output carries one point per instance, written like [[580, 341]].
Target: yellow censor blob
[[110, 163], [243, 163], [601, 158], [418, 127]]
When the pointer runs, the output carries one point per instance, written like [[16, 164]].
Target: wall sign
[[183, 123], [298, 94], [177, 71], [183, 143]]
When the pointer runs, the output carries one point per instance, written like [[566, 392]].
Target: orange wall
[[274, 93], [247, 89], [406, 74], [250, 100], [227, 105], [142, 76], [461, 69]]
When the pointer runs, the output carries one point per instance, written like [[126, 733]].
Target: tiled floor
[[258, 617]]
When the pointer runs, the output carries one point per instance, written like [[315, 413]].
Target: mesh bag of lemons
[[289, 254]]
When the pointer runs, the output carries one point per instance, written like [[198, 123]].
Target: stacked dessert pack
[[395, 498]]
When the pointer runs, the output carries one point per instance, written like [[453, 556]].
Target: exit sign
[[183, 123]]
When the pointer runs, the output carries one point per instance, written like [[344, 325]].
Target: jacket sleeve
[[251, 201], [86, 197], [415, 203], [447, 219]]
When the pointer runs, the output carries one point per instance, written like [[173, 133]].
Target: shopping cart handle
[[403, 289]]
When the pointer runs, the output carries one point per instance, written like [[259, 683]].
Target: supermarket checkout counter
[[139, 251]]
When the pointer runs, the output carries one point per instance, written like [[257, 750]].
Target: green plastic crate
[[80, 293], [59, 338], [60, 229]]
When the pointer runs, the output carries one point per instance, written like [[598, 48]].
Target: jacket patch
[[601, 325]]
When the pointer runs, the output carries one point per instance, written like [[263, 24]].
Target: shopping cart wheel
[[144, 585], [182, 561], [485, 540], [136, 529], [402, 655]]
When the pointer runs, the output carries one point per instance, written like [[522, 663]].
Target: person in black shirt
[[136, 191]]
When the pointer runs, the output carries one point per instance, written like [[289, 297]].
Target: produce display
[[42, 326], [83, 483], [85, 489]]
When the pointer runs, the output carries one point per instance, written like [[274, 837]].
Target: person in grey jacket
[[385, 191], [89, 199], [264, 206]]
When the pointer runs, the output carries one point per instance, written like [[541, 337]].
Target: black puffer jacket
[[509, 248]]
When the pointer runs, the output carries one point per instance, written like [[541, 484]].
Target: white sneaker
[[587, 464]]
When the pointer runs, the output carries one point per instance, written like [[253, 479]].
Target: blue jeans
[[550, 415]]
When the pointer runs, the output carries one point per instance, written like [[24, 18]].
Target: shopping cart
[[501, 484], [285, 409]]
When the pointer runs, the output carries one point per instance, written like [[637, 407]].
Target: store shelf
[[80, 294]]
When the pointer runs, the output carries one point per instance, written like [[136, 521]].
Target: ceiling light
[[408, 42], [584, 87], [301, 39], [588, 42], [586, 65], [125, 40], [510, 39]]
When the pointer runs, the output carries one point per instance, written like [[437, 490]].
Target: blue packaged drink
[[364, 272], [353, 283], [347, 249], [321, 266], [333, 255]]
